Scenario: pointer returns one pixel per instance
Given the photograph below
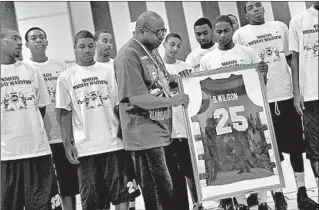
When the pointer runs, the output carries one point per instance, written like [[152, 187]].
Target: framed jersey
[[230, 133]]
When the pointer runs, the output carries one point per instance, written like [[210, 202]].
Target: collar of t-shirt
[[15, 64], [91, 67], [173, 64], [39, 63], [222, 52]]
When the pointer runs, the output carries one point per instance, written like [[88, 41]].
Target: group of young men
[[106, 128]]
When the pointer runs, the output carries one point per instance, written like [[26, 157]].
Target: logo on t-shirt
[[16, 101], [311, 48], [230, 63], [22, 97], [92, 99], [310, 40], [87, 94], [50, 81], [156, 88], [270, 54]]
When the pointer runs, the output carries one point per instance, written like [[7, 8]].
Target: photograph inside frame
[[231, 134]]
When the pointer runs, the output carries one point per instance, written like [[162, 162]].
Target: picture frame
[[227, 105]]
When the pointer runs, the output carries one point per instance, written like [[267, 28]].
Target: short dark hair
[[231, 15], [82, 34], [170, 35], [98, 33], [32, 29], [203, 21], [224, 18], [245, 8]]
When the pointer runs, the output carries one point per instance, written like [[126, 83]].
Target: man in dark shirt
[[145, 110]]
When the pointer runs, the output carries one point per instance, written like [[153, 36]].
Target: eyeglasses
[[159, 33]]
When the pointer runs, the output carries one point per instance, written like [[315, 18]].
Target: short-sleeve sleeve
[[293, 35], [129, 79], [62, 98], [64, 66], [285, 38], [236, 38], [187, 66], [113, 89], [43, 95], [189, 59], [203, 66]]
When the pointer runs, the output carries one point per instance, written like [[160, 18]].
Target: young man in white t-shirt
[[36, 41], [27, 173], [270, 40], [86, 94], [104, 45], [303, 42], [234, 20], [172, 45], [229, 54], [204, 35]]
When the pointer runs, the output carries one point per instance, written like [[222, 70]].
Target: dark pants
[[153, 176], [178, 177], [311, 123], [29, 183]]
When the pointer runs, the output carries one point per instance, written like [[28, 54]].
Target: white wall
[[54, 19]]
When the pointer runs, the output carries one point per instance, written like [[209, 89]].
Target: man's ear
[[140, 31], [27, 45], [74, 46]]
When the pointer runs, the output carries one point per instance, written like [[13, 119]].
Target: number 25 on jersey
[[239, 122]]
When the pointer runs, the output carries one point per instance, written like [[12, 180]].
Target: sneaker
[[304, 202], [280, 201], [252, 200], [226, 204], [263, 206], [242, 207]]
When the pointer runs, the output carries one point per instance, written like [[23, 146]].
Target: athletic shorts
[[102, 179], [66, 172], [130, 172], [288, 127], [311, 124], [183, 155], [30, 183]]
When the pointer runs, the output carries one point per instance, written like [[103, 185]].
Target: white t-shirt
[[238, 55], [89, 93], [179, 127], [22, 130], [51, 69], [194, 57], [303, 38], [270, 41]]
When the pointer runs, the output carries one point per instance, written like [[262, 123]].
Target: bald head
[[11, 44], [8, 31], [150, 29], [147, 18]]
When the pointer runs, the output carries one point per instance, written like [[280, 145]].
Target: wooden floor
[[289, 191]]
